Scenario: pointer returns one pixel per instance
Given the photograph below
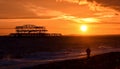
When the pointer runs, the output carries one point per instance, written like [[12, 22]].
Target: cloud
[[108, 3], [100, 8], [39, 9], [114, 4], [42, 11], [28, 9], [13, 8], [78, 19], [51, 9]]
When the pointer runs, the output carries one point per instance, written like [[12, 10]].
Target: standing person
[[88, 51]]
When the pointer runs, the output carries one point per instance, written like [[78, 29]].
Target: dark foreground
[[19, 47], [104, 61]]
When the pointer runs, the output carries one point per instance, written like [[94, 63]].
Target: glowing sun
[[83, 28]]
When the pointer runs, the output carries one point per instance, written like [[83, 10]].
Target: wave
[[46, 57]]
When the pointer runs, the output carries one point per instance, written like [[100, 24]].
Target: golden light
[[83, 28], [90, 20]]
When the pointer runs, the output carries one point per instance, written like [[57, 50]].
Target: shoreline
[[103, 61], [100, 61]]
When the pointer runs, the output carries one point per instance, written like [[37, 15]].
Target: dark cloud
[[28, 17], [114, 4]]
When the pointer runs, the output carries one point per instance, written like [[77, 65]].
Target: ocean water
[[47, 57], [65, 48]]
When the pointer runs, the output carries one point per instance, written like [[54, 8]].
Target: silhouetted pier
[[32, 31]]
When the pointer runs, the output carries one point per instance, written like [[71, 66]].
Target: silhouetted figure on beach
[[88, 51]]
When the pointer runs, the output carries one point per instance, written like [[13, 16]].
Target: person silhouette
[[88, 51]]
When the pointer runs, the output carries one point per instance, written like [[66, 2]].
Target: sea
[[62, 48]]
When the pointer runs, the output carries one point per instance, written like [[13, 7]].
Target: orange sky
[[62, 16]]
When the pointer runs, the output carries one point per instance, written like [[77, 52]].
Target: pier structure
[[32, 30]]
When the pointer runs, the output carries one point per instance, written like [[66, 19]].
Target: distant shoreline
[[75, 35]]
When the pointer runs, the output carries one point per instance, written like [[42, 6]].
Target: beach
[[103, 61], [60, 52]]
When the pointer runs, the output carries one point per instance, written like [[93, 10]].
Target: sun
[[83, 28]]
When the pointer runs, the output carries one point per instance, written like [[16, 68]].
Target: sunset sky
[[101, 17]]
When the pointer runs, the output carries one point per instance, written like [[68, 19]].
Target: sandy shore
[[103, 61]]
